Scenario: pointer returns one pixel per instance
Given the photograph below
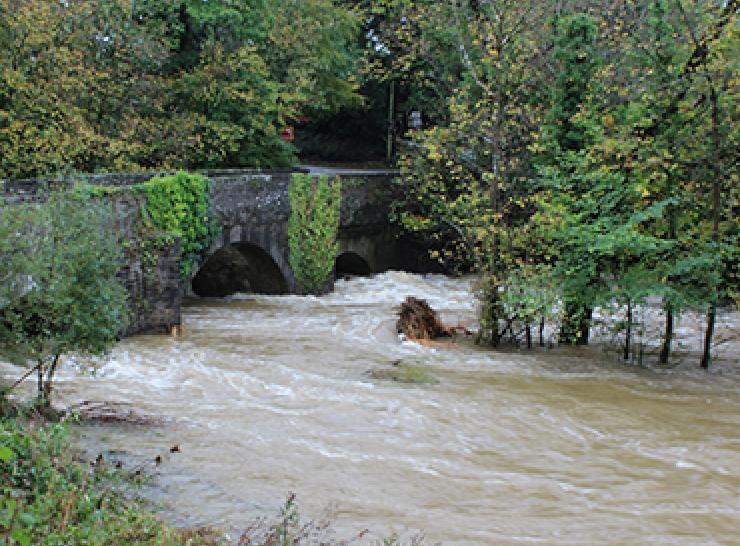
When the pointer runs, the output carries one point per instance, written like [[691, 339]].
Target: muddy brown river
[[266, 395]]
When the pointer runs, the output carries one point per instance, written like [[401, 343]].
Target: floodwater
[[267, 395]]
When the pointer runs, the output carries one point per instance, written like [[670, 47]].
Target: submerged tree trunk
[[495, 334], [665, 350], [490, 315], [48, 384], [716, 181], [584, 331], [706, 357], [542, 332], [628, 333], [40, 382]]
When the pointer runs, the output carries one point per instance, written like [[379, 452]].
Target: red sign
[[287, 133]]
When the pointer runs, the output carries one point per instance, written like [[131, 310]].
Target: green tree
[[622, 201], [59, 292], [564, 138], [706, 93], [227, 111], [626, 110], [465, 181], [78, 86], [119, 85], [318, 68]]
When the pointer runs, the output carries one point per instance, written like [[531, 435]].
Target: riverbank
[[52, 495]]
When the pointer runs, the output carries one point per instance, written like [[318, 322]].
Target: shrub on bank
[[51, 498]]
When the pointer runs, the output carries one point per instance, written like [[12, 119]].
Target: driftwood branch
[[22, 379]]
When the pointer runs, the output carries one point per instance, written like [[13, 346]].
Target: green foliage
[[111, 85], [178, 206], [50, 499], [602, 169], [566, 133], [59, 294], [415, 43], [621, 187], [80, 86], [318, 69], [532, 294], [464, 182], [312, 229], [575, 52]]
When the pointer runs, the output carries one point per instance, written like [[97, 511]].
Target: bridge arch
[[351, 264], [239, 267]]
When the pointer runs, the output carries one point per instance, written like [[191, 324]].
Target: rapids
[[266, 395]]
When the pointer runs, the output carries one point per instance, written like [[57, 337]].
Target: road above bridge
[[321, 170]]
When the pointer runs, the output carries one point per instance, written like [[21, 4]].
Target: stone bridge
[[251, 253]]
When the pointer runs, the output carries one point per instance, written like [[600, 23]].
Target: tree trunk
[[48, 385], [584, 330], [665, 350], [40, 382], [391, 122], [706, 357], [542, 332], [628, 333], [494, 318], [716, 181]]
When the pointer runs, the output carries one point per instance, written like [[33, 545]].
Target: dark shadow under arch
[[351, 264], [239, 267]]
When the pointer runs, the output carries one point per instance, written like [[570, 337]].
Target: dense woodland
[[120, 85], [576, 154]]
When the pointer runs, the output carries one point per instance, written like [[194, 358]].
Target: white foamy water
[[267, 395]]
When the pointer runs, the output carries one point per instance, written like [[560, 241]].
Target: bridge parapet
[[252, 209]]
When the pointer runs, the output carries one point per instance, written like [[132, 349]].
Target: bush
[[50, 499], [59, 289]]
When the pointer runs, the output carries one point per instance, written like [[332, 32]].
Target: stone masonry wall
[[250, 207]]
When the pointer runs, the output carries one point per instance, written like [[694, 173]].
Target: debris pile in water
[[418, 321]]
